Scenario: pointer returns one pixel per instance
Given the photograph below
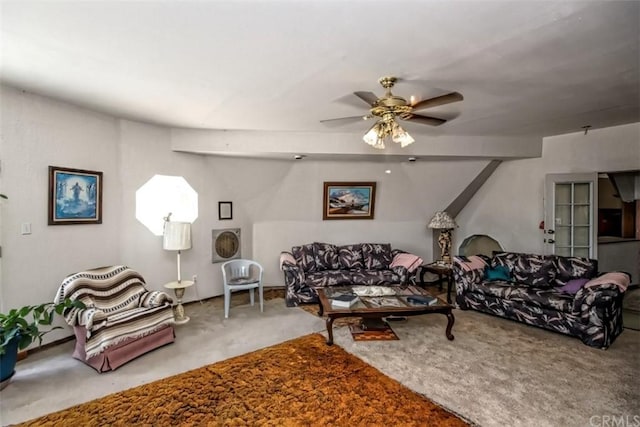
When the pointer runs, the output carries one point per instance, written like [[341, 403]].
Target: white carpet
[[502, 373]]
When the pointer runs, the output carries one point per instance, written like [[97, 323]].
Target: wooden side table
[[444, 271], [178, 310]]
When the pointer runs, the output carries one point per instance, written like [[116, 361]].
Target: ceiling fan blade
[[368, 97], [438, 100], [344, 120], [425, 120]]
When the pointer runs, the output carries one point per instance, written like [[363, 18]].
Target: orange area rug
[[299, 382]]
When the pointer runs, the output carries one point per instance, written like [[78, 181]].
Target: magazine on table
[[375, 302]]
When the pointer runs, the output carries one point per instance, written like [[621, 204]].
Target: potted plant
[[22, 326]]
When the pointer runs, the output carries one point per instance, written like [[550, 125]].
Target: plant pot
[[8, 360]]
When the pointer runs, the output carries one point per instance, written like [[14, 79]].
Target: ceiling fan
[[391, 107]]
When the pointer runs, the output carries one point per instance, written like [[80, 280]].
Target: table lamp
[[445, 223]]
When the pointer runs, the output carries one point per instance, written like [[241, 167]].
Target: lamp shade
[[442, 221], [177, 236]]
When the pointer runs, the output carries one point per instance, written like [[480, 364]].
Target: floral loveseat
[[563, 294], [316, 265]]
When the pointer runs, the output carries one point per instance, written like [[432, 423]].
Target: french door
[[571, 214]]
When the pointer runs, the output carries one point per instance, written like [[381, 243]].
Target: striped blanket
[[118, 306]]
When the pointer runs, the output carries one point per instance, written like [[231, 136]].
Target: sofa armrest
[[155, 299], [91, 318], [467, 271], [403, 274], [600, 291], [287, 258]]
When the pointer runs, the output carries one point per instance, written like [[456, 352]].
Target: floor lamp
[[177, 237], [445, 223]]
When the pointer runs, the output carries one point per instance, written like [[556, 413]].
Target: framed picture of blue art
[[349, 200], [75, 196]]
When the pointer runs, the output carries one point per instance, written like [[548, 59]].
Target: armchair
[[122, 319]]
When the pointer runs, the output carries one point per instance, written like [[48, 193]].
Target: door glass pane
[[581, 193], [563, 193], [563, 215], [582, 252], [570, 214], [581, 236], [581, 215], [563, 236]]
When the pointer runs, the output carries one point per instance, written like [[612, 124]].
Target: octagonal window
[[164, 194]]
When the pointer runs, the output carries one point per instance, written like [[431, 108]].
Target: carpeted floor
[[300, 382]]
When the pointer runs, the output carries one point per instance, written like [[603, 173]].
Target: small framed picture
[[225, 210], [75, 196], [349, 200]]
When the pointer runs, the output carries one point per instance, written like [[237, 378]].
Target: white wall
[[36, 133], [276, 203], [282, 202], [509, 206]]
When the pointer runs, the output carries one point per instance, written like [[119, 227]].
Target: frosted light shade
[[371, 136], [177, 236], [401, 136], [442, 221]]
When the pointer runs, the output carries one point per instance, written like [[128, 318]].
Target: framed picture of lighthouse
[[349, 200], [75, 196]]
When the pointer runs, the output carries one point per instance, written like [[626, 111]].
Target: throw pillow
[[573, 286], [326, 256], [498, 272], [305, 257], [377, 256], [350, 257], [568, 268]]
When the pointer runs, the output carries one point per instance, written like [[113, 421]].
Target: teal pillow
[[499, 272]]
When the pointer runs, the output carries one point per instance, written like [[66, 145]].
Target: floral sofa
[[563, 294], [314, 265]]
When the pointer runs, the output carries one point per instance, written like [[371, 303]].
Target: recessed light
[[388, 171], [412, 159], [298, 157]]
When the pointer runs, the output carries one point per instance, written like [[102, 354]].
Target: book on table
[[422, 300], [344, 301]]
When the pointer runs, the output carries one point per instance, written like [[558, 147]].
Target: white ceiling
[[531, 68]]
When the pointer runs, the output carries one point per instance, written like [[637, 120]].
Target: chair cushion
[[545, 298]]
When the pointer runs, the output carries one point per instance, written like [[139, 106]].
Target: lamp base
[[178, 310]]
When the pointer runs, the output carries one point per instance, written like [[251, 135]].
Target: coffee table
[[375, 307]]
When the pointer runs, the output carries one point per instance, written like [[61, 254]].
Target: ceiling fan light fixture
[[401, 136], [371, 136], [379, 144]]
